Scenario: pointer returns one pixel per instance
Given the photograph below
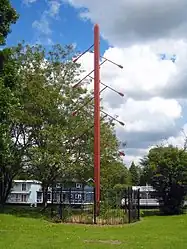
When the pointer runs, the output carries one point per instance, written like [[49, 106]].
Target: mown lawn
[[154, 232]]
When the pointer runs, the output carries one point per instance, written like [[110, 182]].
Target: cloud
[[152, 108], [179, 139], [144, 74], [43, 26], [27, 2], [132, 20], [54, 7]]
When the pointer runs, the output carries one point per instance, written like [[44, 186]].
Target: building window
[[78, 196], [23, 198], [39, 197], [23, 187], [78, 185], [17, 197], [49, 197], [55, 197]]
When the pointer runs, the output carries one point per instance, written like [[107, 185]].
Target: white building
[[24, 192], [147, 196], [30, 192]]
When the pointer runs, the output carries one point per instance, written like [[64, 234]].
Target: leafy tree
[[165, 168], [11, 130], [134, 174], [41, 137], [48, 102], [62, 144], [10, 150], [8, 16], [112, 174]]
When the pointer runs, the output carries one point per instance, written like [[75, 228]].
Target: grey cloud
[[129, 21], [143, 140], [113, 99], [177, 87]]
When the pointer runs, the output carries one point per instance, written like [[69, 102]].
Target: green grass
[[156, 232]]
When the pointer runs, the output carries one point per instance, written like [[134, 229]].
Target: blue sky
[[65, 28]]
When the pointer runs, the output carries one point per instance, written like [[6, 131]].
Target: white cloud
[[29, 1], [155, 90], [178, 140], [43, 26], [149, 113], [54, 7], [124, 21]]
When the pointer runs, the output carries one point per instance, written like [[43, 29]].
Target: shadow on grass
[[27, 212], [157, 212], [149, 212]]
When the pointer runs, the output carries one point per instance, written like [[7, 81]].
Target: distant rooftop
[[143, 188], [27, 181]]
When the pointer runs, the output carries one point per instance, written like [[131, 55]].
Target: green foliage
[[134, 174], [113, 173], [11, 150], [37, 102], [166, 170], [8, 16]]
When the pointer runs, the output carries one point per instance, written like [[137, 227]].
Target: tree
[[113, 173], [43, 138], [48, 102], [134, 174], [11, 150], [62, 143], [8, 16], [166, 168]]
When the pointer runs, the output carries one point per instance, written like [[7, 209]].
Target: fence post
[[52, 190], [138, 204], [129, 204], [60, 206], [95, 209]]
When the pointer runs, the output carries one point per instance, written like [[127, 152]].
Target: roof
[[143, 188], [27, 181]]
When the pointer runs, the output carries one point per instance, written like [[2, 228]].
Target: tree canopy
[[165, 168], [134, 174], [8, 16], [40, 136]]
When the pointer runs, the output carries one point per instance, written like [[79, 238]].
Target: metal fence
[[77, 206]]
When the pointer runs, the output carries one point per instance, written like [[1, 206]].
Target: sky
[[133, 33]]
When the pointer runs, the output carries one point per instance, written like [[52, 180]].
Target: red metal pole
[[97, 117]]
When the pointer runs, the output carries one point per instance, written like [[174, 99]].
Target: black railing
[[77, 206]]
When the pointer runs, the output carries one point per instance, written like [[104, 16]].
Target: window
[[17, 197], [78, 196], [78, 185], [23, 187], [39, 197], [54, 197], [23, 198], [49, 197]]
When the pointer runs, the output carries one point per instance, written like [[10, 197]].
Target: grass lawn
[[154, 232]]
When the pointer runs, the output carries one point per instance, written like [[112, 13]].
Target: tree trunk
[[5, 187], [45, 191]]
